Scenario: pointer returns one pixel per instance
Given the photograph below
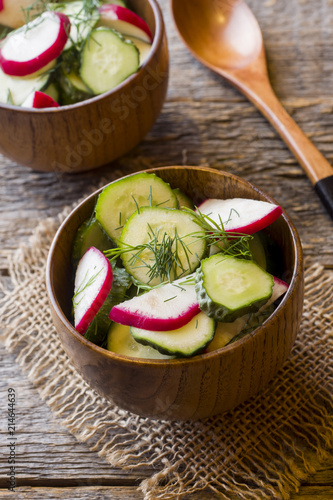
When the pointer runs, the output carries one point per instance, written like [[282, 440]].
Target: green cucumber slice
[[73, 89], [258, 250], [107, 60], [89, 234], [120, 341], [189, 340], [160, 245], [15, 90], [119, 200], [228, 287], [183, 201], [82, 18]]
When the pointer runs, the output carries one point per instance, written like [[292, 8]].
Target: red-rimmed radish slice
[[163, 308], [279, 288], [125, 21], [13, 13], [32, 47], [39, 100], [241, 215], [93, 282]]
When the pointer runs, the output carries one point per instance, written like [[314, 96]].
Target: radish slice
[[125, 21], [93, 281], [1, 5], [163, 308], [39, 100], [32, 47], [241, 215]]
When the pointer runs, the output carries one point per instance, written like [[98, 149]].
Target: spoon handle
[[317, 168]]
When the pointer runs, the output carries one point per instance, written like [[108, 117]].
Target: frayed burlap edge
[[261, 450]]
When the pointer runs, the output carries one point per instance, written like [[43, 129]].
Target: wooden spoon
[[225, 36]]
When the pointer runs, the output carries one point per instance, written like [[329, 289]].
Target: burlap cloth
[[261, 450]]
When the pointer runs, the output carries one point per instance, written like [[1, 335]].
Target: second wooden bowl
[[204, 385], [92, 133]]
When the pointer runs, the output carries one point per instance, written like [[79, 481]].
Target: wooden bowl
[[206, 384], [91, 133]]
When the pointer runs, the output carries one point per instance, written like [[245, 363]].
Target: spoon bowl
[[225, 36], [229, 27]]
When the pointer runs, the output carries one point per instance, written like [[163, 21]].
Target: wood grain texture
[[204, 121]]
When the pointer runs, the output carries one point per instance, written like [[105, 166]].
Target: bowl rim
[[157, 41], [297, 270]]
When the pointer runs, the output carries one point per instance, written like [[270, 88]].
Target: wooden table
[[204, 121]]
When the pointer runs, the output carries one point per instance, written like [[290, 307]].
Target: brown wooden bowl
[[206, 384], [91, 133]]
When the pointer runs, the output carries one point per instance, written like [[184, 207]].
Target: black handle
[[324, 189]]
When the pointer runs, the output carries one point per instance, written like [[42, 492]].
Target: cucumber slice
[[15, 90], [119, 200], [160, 245], [107, 60], [228, 287], [120, 341], [183, 201], [89, 234], [143, 47], [225, 332], [188, 340], [258, 250]]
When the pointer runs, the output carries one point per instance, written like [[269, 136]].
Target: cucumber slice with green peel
[[183, 200], [228, 287], [189, 340], [168, 306], [225, 332], [120, 341], [119, 200], [107, 60], [89, 234], [258, 250], [159, 244]]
